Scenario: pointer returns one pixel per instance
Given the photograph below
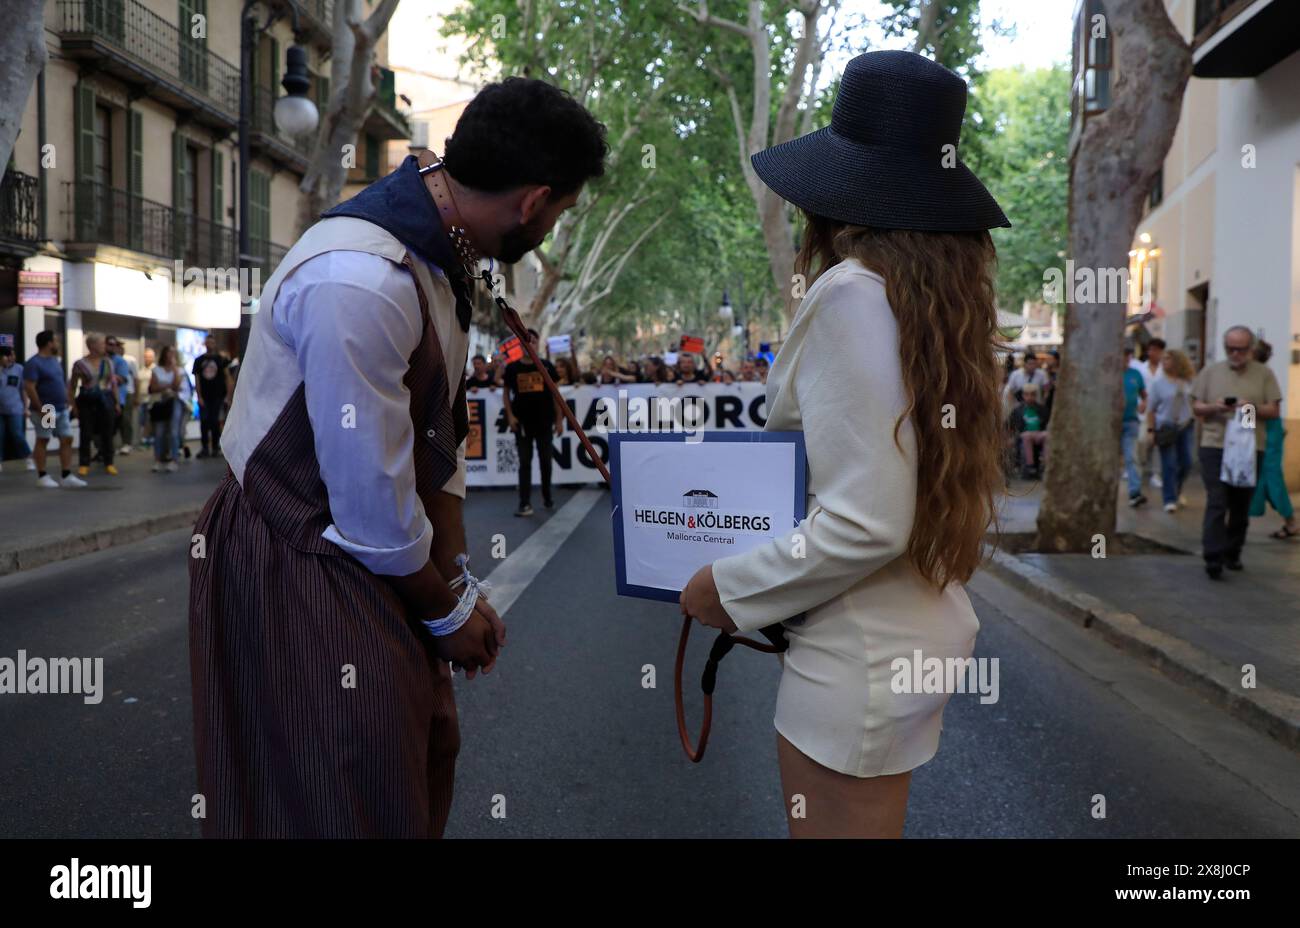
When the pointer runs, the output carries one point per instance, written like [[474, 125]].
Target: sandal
[[1284, 533]]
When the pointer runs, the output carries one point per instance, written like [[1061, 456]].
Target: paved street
[[566, 733]]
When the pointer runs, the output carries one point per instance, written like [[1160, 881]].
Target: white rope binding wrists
[[474, 587]]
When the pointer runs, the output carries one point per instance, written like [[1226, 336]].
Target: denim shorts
[[62, 425]]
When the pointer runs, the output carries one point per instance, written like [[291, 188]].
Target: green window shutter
[[275, 69], [135, 177], [84, 199], [136, 132], [372, 156], [218, 189], [259, 213], [84, 117], [179, 223]]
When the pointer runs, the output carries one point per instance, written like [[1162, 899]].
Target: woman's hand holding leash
[[701, 602]]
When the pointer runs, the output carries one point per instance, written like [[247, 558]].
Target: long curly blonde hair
[[940, 286]]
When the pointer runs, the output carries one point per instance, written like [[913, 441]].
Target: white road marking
[[519, 569]]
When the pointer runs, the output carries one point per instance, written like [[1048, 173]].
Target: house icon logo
[[700, 499]]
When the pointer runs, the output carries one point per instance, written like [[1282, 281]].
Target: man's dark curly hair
[[525, 131]]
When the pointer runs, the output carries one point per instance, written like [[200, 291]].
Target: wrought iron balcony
[[293, 150], [317, 19], [392, 122], [135, 44], [18, 203], [1243, 38], [269, 253], [103, 215]]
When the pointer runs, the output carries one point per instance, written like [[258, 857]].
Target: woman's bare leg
[[836, 805]]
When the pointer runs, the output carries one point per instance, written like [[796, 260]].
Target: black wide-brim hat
[[885, 160]]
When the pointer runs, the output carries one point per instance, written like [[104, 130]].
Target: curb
[[1264, 708], [121, 533]]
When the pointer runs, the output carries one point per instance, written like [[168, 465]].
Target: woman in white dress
[[889, 370]]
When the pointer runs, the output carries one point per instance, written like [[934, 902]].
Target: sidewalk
[[50, 525], [1163, 607]]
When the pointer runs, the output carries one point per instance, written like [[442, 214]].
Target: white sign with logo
[[559, 344], [680, 502]]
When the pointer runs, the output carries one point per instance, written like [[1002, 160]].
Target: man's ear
[[534, 202]]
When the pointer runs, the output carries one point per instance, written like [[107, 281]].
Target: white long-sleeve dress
[[838, 379]]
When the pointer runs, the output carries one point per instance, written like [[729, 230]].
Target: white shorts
[[837, 702]]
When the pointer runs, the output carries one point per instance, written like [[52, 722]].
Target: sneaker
[[1171, 507], [203, 454], [31, 465], [157, 468], [1182, 500], [549, 503], [48, 482], [1215, 571], [72, 480], [83, 471], [1233, 563], [524, 510], [171, 467], [1137, 500], [111, 470], [125, 449], [1156, 482]]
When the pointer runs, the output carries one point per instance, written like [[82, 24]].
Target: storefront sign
[[38, 288]]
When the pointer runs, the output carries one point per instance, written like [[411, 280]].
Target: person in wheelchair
[[1029, 426]]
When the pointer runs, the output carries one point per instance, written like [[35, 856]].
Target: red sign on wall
[[692, 344], [38, 288]]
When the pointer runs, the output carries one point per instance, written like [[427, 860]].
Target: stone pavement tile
[[1248, 617], [1245, 618]]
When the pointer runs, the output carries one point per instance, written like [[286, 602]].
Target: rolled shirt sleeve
[[848, 385], [353, 320]]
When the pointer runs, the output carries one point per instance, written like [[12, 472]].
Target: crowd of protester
[[488, 373], [120, 403], [532, 413]]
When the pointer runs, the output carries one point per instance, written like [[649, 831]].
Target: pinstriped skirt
[[318, 710]]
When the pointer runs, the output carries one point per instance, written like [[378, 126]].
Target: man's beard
[[516, 243]]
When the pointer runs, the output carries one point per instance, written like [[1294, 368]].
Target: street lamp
[[294, 113], [727, 312]]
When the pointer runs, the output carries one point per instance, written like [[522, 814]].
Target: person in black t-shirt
[[532, 413], [480, 377], [212, 377], [688, 373]]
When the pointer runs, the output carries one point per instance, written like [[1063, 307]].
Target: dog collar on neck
[[446, 203]]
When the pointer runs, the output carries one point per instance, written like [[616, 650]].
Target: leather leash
[[723, 644]]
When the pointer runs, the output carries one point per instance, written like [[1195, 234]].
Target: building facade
[[1219, 244], [126, 168]]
